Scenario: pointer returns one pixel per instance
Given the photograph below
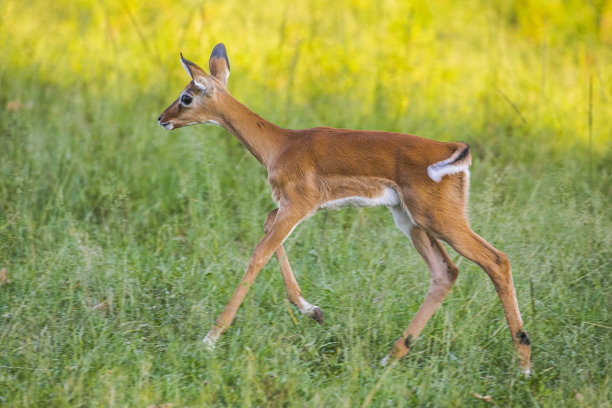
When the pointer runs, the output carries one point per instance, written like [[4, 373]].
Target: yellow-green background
[[446, 61]]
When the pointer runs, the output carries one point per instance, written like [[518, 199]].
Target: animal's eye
[[186, 99]]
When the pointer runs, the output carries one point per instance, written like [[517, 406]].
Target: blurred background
[[120, 242], [479, 70]]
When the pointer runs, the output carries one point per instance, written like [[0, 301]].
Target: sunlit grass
[[123, 241]]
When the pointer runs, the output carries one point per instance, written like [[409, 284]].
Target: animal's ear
[[219, 63], [195, 72]]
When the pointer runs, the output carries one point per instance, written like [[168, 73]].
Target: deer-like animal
[[423, 182]]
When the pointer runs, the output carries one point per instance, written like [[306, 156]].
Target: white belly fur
[[389, 198]]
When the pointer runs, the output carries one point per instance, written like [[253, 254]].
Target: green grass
[[98, 203]]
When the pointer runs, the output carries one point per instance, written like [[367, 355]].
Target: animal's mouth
[[167, 125]]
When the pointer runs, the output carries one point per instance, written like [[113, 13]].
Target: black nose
[[159, 118]]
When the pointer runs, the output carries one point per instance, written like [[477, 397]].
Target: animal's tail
[[459, 161]]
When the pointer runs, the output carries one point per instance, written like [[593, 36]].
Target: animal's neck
[[261, 137]]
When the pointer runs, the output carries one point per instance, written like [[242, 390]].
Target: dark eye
[[186, 99]]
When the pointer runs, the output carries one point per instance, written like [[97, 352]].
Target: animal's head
[[200, 101]]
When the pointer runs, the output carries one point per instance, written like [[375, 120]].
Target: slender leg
[[294, 294], [443, 273], [280, 229], [495, 263]]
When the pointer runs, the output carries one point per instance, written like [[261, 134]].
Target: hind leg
[[495, 263], [443, 274], [294, 294]]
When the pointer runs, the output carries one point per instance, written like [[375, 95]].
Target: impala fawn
[[423, 182]]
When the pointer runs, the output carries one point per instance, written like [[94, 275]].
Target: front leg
[[294, 293], [286, 219]]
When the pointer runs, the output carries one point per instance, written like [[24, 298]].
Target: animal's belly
[[389, 198]]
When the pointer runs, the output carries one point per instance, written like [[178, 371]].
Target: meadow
[[121, 242]]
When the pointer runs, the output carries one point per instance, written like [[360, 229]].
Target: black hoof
[[317, 314]]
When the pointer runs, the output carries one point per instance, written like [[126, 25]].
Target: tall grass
[[123, 241]]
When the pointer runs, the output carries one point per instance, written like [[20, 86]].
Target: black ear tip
[[220, 52], [185, 61]]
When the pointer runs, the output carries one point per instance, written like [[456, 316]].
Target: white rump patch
[[389, 198], [442, 168]]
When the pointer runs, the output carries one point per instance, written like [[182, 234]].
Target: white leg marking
[[306, 308], [209, 342], [402, 219]]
